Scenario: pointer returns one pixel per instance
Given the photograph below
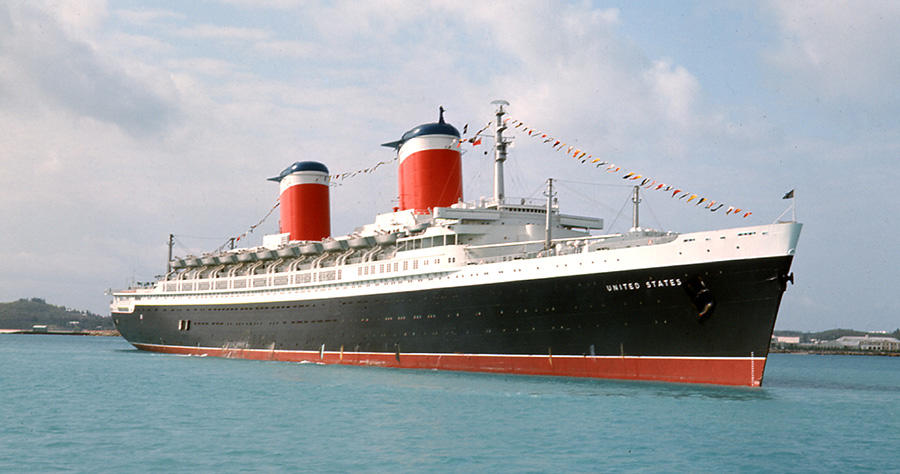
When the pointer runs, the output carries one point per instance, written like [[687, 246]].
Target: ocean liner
[[499, 285]]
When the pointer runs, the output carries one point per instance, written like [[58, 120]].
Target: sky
[[122, 122]]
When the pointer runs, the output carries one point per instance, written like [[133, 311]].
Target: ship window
[[426, 242]]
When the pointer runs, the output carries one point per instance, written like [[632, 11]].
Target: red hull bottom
[[740, 371]]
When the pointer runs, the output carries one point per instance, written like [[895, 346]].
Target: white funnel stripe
[[428, 142], [304, 177]]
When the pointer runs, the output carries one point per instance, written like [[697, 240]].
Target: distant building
[[786, 339], [39, 328], [865, 343]]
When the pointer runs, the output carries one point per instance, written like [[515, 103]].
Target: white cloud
[[75, 16], [273, 4], [147, 16], [226, 33], [49, 68], [674, 90], [286, 49], [140, 43], [840, 50], [201, 66]]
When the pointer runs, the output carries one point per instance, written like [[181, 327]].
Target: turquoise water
[[90, 404]]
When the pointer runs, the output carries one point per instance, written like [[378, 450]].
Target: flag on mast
[[788, 195]]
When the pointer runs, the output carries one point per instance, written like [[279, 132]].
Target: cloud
[[48, 67], [202, 66], [286, 49], [147, 16], [271, 4], [225, 33], [75, 16], [844, 51], [674, 91]]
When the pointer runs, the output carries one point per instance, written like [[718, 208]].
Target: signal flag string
[[351, 174], [558, 145], [252, 227], [646, 181], [336, 179], [475, 140]]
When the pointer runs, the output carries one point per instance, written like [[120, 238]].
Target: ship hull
[[642, 324]]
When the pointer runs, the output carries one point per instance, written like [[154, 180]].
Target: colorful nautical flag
[[647, 181]]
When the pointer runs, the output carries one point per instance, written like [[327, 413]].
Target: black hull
[[647, 312]]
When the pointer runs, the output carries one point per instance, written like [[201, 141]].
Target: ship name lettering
[[634, 285], [663, 283]]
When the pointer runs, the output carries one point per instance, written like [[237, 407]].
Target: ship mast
[[169, 261], [636, 199], [499, 152], [547, 234]]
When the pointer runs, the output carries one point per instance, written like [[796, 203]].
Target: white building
[[866, 343]]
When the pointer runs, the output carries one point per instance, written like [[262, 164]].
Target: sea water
[[89, 404]]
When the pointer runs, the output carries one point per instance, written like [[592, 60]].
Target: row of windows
[[386, 267], [427, 242], [241, 308], [258, 323], [477, 314], [453, 332]]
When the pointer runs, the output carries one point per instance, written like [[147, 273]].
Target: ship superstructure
[[501, 285]]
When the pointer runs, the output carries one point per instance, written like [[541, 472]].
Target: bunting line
[[350, 174], [332, 178], [560, 146], [254, 226], [475, 139], [646, 182]]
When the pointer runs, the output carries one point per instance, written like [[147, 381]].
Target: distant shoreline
[[95, 332], [833, 352]]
